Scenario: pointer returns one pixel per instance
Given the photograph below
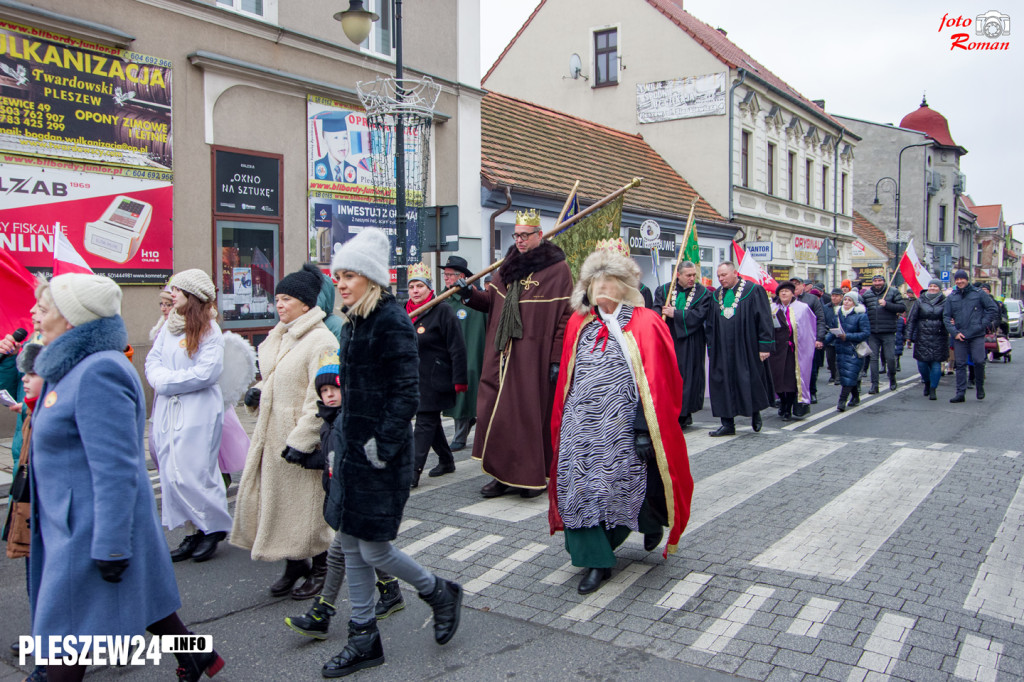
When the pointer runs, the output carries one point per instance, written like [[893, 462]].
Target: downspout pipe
[[835, 204], [732, 144], [491, 240]]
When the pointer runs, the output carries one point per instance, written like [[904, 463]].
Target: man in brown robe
[[527, 304]]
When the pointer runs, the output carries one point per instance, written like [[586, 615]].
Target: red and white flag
[[914, 274], [751, 270], [65, 258]]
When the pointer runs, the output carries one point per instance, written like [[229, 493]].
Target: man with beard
[[740, 339], [527, 304], [967, 313], [687, 319], [883, 305]]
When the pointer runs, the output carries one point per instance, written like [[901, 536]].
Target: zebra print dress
[[600, 478]]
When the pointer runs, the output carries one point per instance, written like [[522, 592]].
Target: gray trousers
[[975, 349], [336, 572], [462, 427], [361, 557], [886, 343]]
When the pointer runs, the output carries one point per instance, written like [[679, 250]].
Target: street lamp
[[876, 206], [356, 22]]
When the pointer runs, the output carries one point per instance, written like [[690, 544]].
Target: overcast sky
[[871, 60]]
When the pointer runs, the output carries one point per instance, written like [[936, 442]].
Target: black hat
[[785, 285], [304, 284], [332, 121], [460, 264], [837, 292], [960, 274], [878, 277], [26, 361], [796, 280]]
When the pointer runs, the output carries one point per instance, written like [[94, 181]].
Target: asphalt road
[[880, 543]]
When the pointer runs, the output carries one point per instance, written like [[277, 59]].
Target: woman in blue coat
[[99, 561], [853, 320]]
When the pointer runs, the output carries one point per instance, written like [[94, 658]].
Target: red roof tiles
[[988, 216], [869, 232], [931, 123]]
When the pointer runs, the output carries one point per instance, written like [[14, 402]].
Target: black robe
[[689, 334], [738, 380]]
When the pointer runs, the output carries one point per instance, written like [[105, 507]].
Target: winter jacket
[[926, 330], [969, 311], [857, 327], [442, 353], [883, 320], [814, 303], [328, 415], [373, 447], [279, 514], [901, 328]]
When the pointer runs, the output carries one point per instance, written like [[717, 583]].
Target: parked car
[[1013, 312]]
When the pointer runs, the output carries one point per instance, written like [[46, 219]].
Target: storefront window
[[250, 254]]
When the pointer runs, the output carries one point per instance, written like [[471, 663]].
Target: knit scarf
[[410, 306], [510, 324], [175, 322]]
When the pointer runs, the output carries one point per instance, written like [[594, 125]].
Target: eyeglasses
[[166, 305], [523, 236]]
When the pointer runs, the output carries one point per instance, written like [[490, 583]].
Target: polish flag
[[65, 258], [751, 270], [914, 274]]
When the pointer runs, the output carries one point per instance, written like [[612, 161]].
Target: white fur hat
[[366, 253], [82, 298], [195, 282]]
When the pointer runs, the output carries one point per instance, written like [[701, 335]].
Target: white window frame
[[269, 9], [376, 28]]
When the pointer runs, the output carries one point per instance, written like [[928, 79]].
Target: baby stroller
[[999, 346]]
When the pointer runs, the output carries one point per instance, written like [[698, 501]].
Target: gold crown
[[613, 245], [528, 218], [419, 270]]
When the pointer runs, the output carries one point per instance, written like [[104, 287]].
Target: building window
[[606, 57], [824, 187], [942, 223], [745, 158], [771, 169], [791, 176], [809, 169], [981, 251], [842, 195], [262, 9], [927, 219], [379, 40]]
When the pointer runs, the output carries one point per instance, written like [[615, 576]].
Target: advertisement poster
[[61, 97], [339, 152], [247, 184], [333, 220], [681, 98], [247, 284], [121, 226], [806, 249]]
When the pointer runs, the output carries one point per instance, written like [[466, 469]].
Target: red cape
[[661, 393]]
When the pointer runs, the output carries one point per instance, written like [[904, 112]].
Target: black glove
[[252, 397], [553, 373], [293, 456], [111, 570], [463, 287], [644, 446]]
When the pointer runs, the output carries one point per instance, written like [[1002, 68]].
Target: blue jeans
[[931, 372]]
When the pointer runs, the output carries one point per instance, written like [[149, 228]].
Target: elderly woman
[[99, 560], [852, 327], [792, 360], [183, 367], [442, 364], [926, 330], [619, 450], [373, 451], [279, 514]]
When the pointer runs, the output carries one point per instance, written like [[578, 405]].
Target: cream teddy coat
[[279, 514]]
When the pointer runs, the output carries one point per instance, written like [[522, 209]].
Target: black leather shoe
[[723, 430], [841, 407], [958, 398], [892, 384], [457, 445], [873, 390], [192, 666], [294, 571], [755, 422], [814, 399], [363, 650], [931, 394], [652, 540], [446, 601], [981, 392], [187, 547], [689, 420], [416, 478], [441, 470], [208, 545], [854, 401], [494, 489], [593, 579], [530, 493]]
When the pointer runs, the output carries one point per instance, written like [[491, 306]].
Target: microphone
[[18, 335]]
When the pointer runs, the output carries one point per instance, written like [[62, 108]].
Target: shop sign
[[640, 243], [806, 248], [761, 251], [247, 184]]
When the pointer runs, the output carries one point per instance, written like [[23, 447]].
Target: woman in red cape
[[619, 453]]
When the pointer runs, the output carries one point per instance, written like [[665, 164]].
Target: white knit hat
[[82, 298], [367, 254], [195, 282]]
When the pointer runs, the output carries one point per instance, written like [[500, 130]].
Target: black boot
[[898, 368], [927, 389], [192, 666], [315, 582], [446, 600], [979, 381], [755, 422], [294, 571], [592, 579], [208, 545], [442, 468], [855, 400], [931, 394], [363, 650], [416, 477], [313, 623], [187, 547], [390, 598], [844, 394]]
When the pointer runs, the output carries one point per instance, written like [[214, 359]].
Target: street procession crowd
[[578, 389]]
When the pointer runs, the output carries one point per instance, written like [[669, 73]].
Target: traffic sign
[[944, 276]]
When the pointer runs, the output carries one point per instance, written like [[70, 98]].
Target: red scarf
[[410, 306], [31, 402]]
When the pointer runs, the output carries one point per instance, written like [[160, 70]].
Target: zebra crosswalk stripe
[[504, 568], [978, 659], [596, 602], [998, 590], [418, 546], [724, 629], [882, 650]]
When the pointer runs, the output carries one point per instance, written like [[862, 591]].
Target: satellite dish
[[576, 67]]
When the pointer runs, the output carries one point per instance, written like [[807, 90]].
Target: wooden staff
[[679, 258], [562, 225], [568, 201]]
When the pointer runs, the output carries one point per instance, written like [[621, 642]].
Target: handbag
[[863, 349]]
